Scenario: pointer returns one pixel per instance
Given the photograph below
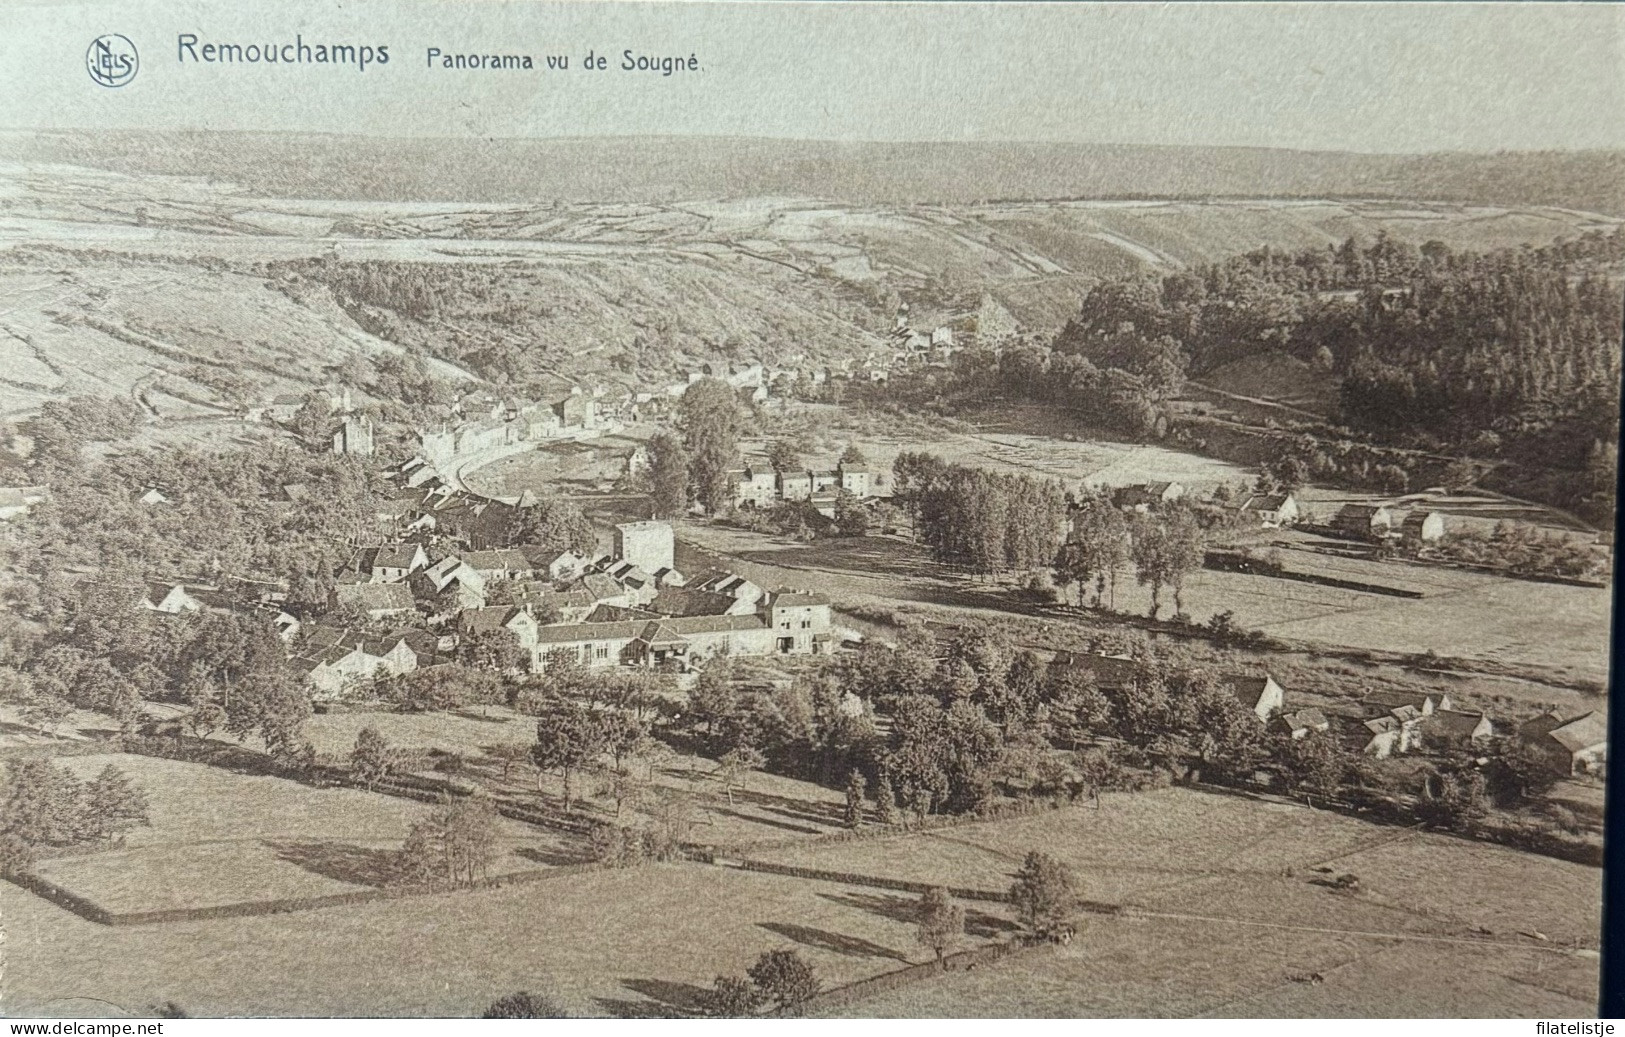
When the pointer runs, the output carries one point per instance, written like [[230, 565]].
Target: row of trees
[[45, 805], [978, 520]]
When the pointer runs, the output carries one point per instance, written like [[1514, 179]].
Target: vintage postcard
[[666, 510]]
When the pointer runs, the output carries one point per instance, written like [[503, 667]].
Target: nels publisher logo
[[111, 60]]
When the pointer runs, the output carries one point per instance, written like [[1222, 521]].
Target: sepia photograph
[[822, 510]]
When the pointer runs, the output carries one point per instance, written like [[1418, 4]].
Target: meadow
[[635, 942], [217, 837]]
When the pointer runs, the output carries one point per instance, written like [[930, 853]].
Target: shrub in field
[[785, 978], [941, 922], [454, 845], [525, 1005], [617, 846], [731, 997], [1044, 893]]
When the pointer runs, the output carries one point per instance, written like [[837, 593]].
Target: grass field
[[1516, 623], [770, 807], [1219, 926], [221, 838], [628, 942]]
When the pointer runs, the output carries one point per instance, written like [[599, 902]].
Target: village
[[739, 606]]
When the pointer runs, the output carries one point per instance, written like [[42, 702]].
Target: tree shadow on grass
[[469, 714], [851, 946], [346, 862], [667, 1000], [552, 858], [978, 924], [760, 820]]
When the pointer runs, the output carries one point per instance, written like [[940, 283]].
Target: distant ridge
[[665, 169]]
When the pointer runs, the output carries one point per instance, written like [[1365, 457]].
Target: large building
[[784, 623], [647, 545], [354, 437]]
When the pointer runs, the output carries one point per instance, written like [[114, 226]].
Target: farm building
[[1384, 736], [754, 487], [1271, 509], [377, 600], [332, 659], [174, 599], [388, 564], [1423, 702], [786, 623], [1423, 527], [1146, 496], [1578, 745], [1258, 693], [1109, 672], [1449, 726], [501, 564], [1364, 521], [1301, 722]]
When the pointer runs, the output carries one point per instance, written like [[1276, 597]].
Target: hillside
[[285, 165], [188, 292]]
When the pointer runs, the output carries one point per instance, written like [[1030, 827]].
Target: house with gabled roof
[[516, 620], [174, 599], [1146, 496], [1258, 693], [1424, 702], [1422, 527], [377, 600], [1364, 521], [554, 564], [718, 581], [332, 659], [1578, 745], [390, 563], [1271, 510], [1109, 672], [1300, 723], [500, 564], [1454, 726]]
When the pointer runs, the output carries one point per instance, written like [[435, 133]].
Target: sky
[[1384, 77]]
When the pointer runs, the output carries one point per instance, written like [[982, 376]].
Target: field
[[769, 807], [221, 838], [1225, 913], [166, 287], [633, 942]]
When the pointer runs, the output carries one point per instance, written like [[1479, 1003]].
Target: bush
[[525, 1005], [730, 997], [785, 977], [616, 846]]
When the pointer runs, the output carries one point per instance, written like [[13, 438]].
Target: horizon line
[[839, 141]]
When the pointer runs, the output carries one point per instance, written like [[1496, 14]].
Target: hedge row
[[877, 881], [998, 811], [95, 913], [852, 993]]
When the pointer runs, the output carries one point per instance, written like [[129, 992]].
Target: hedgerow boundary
[[91, 911]]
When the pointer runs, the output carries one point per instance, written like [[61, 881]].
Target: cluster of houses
[[1368, 522], [411, 608], [763, 487], [1382, 723], [629, 607]]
